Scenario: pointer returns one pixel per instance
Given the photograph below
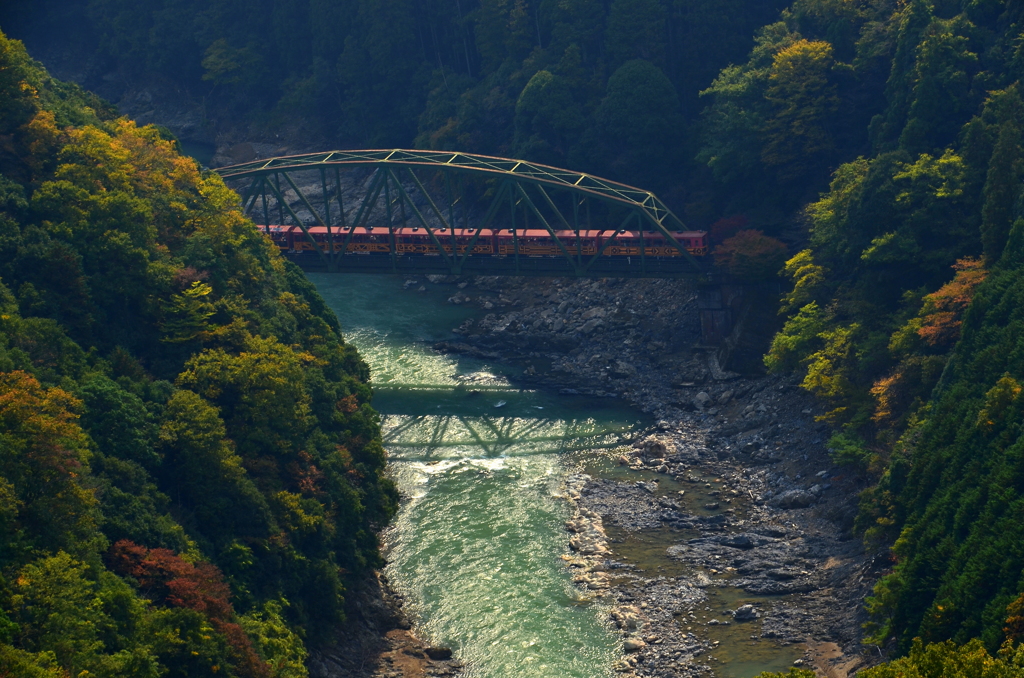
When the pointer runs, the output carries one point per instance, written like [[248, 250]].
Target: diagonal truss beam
[[518, 189], [654, 212]]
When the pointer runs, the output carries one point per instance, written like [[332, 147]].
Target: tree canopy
[[190, 471]]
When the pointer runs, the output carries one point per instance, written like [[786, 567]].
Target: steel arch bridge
[[392, 191]]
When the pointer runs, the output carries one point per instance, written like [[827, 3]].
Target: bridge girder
[[522, 188]]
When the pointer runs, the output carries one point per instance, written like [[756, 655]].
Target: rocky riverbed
[[378, 640], [735, 479]]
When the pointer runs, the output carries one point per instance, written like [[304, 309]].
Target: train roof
[[470, 232]]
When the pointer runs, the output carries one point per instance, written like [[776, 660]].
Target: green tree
[[1002, 189], [205, 475], [187, 316], [60, 609], [43, 454], [636, 30], [636, 126], [275, 642], [548, 120], [733, 124], [802, 101], [910, 23], [942, 100]]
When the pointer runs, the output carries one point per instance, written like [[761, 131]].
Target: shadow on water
[[476, 545]]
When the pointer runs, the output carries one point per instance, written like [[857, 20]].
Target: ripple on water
[[476, 551]]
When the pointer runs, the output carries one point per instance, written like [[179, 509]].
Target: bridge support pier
[[737, 321]]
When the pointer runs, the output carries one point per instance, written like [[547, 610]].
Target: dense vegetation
[[190, 472], [902, 311], [883, 140], [939, 660], [611, 86]]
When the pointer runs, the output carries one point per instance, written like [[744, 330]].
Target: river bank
[[479, 460], [735, 479]]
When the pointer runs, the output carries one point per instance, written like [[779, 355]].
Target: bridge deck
[[527, 200], [537, 267]]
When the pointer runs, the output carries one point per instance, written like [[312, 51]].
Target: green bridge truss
[[516, 192]]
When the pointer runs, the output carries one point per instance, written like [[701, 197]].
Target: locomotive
[[498, 242]]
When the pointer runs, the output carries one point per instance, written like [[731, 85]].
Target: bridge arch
[[557, 201]]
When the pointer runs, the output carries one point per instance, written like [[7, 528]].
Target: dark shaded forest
[[611, 86], [882, 141]]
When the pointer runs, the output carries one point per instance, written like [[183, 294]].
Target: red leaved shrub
[[727, 227], [166, 578], [944, 308], [751, 255]]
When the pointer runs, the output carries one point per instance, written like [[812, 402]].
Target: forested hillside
[[190, 471], [903, 314], [883, 140], [610, 86]]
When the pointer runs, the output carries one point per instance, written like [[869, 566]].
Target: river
[[476, 546], [477, 543]]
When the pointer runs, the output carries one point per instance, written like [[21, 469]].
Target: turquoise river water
[[476, 546]]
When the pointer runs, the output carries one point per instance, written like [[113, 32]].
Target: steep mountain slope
[[190, 471]]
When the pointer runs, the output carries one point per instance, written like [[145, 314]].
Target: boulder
[[701, 400], [745, 613], [744, 540], [657, 448], [439, 653], [633, 645], [623, 370], [794, 499]]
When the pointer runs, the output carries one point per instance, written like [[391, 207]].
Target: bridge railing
[[513, 196]]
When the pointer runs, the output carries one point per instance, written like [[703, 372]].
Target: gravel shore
[[744, 523], [734, 479]]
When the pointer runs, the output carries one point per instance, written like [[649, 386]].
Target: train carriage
[[413, 241]]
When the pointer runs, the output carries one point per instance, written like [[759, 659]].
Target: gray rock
[[794, 499], [745, 613], [701, 400], [623, 370], [633, 645], [745, 540], [776, 531]]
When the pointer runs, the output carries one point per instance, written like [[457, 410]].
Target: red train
[[530, 242]]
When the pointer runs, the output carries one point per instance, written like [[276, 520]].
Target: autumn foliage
[[943, 309], [168, 385], [1015, 620], [751, 255], [166, 578], [727, 227]]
